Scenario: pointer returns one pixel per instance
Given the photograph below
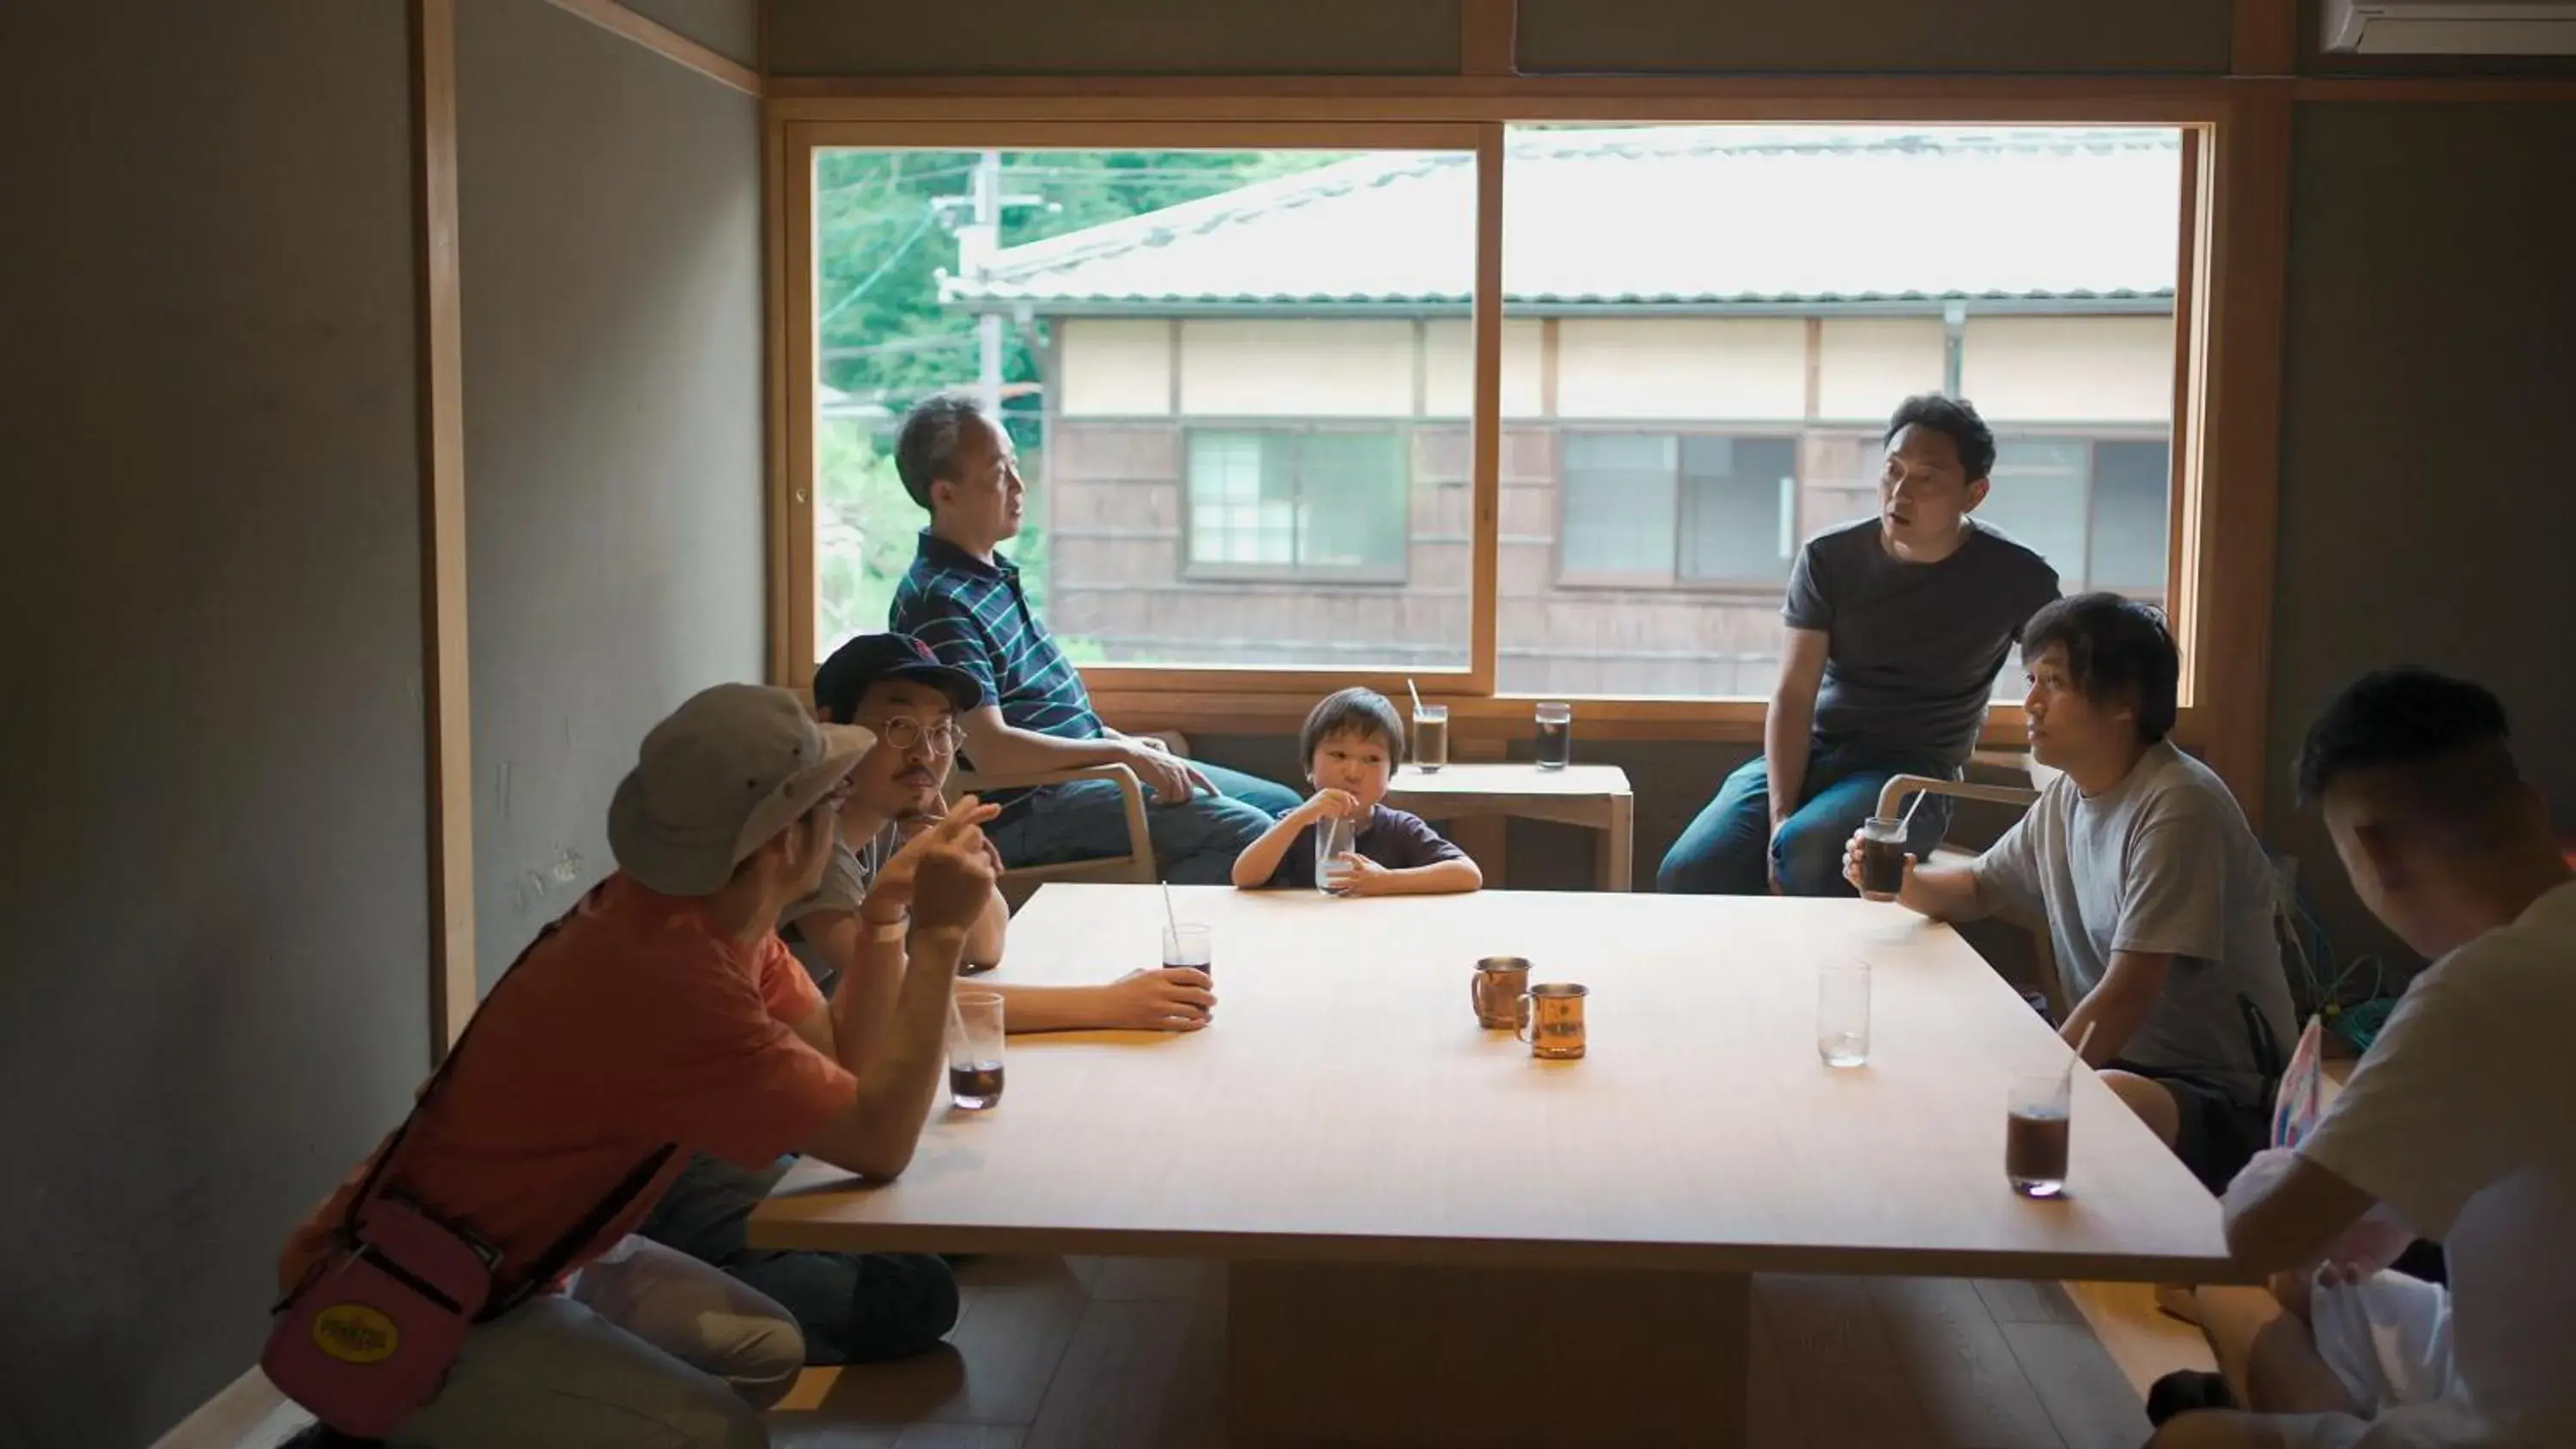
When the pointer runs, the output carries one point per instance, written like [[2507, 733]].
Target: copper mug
[[1551, 1020], [1496, 989]]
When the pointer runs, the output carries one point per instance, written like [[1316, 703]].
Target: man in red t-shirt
[[664, 1010]]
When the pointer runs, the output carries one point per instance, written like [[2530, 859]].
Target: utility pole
[[988, 325], [978, 238]]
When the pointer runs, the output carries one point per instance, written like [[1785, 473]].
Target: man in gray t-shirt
[[2159, 898], [1896, 627]]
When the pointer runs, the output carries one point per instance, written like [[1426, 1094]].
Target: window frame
[[2093, 436], [2232, 244], [1400, 429], [1672, 581]]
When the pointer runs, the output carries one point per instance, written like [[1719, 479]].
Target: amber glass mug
[[1496, 989], [1551, 1020]]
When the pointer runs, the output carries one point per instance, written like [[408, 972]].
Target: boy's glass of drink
[[1430, 737], [1882, 858], [1333, 840], [1189, 944], [975, 1050], [1555, 734], [1842, 1014], [2035, 1134]]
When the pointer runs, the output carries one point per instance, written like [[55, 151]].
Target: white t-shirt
[[2462, 1118]]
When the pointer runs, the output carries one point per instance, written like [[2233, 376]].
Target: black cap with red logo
[[845, 677]]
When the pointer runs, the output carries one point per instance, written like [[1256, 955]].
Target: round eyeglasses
[[903, 732]]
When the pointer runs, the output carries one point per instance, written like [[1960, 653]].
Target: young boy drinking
[[1350, 744]]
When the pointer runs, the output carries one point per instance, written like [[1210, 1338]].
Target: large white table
[[1433, 1238]]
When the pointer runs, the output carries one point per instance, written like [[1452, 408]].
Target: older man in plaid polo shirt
[[964, 600]]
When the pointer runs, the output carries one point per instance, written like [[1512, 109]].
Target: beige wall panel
[[1865, 366], [2422, 436], [1450, 376], [1877, 35], [2069, 369], [1682, 367], [1116, 37], [730, 28], [1320, 368], [1114, 366]]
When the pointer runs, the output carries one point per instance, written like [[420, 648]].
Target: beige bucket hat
[[728, 770]]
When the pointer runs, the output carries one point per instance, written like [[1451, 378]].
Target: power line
[[899, 345], [883, 267]]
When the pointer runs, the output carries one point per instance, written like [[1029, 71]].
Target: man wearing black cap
[[895, 688], [868, 1307]]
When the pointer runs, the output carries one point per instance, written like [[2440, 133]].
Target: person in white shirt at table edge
[[2159, 899], [2459, 1125]]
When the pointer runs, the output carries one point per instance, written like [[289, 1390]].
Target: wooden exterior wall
[[1114, 509]]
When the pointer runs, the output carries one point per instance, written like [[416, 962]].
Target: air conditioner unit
[[2450, 27]]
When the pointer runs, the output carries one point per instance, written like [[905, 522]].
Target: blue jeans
[[1723, 851], [1195, 841]]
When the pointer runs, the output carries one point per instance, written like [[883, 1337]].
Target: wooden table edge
[[777, 1224]]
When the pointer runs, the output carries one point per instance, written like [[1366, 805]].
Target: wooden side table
[[1595, 797]]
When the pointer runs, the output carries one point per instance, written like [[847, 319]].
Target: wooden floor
[[1129, 1354]]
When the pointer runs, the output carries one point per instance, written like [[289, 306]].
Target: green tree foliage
[[863, 533], [883, 235]]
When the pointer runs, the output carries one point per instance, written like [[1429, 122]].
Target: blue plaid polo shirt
[[975, 616]]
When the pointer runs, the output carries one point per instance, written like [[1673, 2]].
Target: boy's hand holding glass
[[1329, 805], [1174, 998], [1361, 876]]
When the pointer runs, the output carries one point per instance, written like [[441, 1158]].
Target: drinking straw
[[1907, 823], [2081, 1042]]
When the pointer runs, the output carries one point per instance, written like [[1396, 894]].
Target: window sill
[[1285, 574], [1758, 589], [1500, 717]]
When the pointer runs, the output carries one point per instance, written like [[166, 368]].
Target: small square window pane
[[1617, 509]]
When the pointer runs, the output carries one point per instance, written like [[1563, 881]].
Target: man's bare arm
[[1788, 726], [1001, 748], [2118, 1004], [875, 1135], [2289, 1220]]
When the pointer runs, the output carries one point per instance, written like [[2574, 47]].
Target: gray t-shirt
[[844, 887], [844, 884], [2161, 862], [1915, 647]]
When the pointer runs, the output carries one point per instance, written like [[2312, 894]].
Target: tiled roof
[[1655, 216]]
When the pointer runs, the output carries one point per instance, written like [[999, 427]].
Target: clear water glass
[[1333, 840], [1842, 1014]]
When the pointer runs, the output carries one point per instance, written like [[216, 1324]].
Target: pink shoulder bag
[[371, 1332]]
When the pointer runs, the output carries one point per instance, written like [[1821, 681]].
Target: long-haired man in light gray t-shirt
[[2159, 898]]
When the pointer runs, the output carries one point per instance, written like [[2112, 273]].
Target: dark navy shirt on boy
[[1392, 838]]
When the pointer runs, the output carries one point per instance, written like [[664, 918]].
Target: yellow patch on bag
[[355, 1333]]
